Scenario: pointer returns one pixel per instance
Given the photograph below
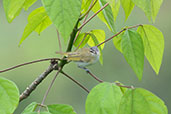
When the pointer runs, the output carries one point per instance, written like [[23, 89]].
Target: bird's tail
[[62, 53]]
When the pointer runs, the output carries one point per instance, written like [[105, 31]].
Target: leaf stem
[[119, 33], [96, 78], [59, 41], [79, 84]]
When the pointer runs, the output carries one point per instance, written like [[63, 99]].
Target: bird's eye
[[93, 51]]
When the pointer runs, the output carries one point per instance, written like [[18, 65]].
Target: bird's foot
[[84, 68]]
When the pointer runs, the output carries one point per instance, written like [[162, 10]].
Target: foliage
[[133, 42]]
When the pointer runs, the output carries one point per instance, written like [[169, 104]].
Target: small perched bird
[[83, 57]]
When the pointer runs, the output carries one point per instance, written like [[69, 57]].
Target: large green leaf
[[141, 101], [64, 14], [12, 8], [115, 5], [30, 108], [105, 15], [9, 96], [60, 109], [153, 44], [103, 99], [28, 3], [150, 7], [38, 20], [133, 51], [128, 6]]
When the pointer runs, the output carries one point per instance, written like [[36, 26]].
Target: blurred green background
[[64, 90]]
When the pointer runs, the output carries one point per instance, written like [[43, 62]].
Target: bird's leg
[[84, 68]]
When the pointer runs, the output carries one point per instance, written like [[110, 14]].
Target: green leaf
[[105, 15], [153, 45], [12, 8], [128, 6], [133, 51], [115, 5], [30, 108], [9, 96], [28, 3], [64, 14], [85, 5], [38, 20], [82, 39], [141, 101], [117, 42], [103, 99], [100, 36], [61, 109], [150, 7]]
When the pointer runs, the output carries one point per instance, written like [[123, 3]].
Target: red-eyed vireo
[[83, 57]]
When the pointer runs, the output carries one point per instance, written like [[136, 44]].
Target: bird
[[83, 57]]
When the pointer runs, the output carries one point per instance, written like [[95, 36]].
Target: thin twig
[[95, 77], [50, 86], [36, 82], [86, 15], [36, 61], [75, 81], [119, 33], [93, 16], [59, 41]]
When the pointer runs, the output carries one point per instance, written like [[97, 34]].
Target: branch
[[75, 81], [36, 61], [37, 81], [118, 34], [50, 86], [93, 16], [96, 78]]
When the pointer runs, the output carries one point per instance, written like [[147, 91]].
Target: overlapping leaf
[[141, 101], [30, 108], [153, 44], [115, 5], [28, 3], [38, 20], [133, 51], [60, 109], [106, 15], [150, 7], [64, 14], [128, 6], [12, 8], [9, 96], [103, 99]]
